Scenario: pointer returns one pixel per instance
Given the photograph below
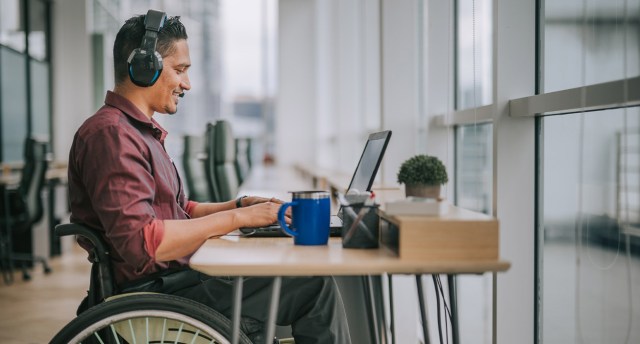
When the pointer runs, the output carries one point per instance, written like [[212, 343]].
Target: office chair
[[25, 208], [193, 163], [224, 158], [210, 164], [242, 161]]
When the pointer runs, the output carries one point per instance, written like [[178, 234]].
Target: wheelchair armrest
[[101, 272], [86, 232]]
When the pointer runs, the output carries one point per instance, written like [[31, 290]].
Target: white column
[[514, 168], [295, 110], [72, 80], [400, 73]]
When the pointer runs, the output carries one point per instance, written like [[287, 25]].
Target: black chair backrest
[[194, 168], [36, 163], [210, 164], [225, 155], [242, 161], [102, 284]]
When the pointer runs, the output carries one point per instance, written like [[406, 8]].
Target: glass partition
[[11, 28], [13, 88], [584, 42], [40, 115], [37, 30], [589, 237]]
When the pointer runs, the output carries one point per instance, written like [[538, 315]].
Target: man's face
[[173, 81]]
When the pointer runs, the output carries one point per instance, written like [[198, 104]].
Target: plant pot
[[422, 190]]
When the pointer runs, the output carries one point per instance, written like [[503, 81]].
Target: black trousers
[[311, 305]]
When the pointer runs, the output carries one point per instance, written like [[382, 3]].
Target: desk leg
[[236, 310], [423, 309], [453, 303], [494, 311], [366, 280], [391, 315], [273, 310]]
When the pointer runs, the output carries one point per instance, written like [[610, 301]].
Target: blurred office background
[[532, 105]]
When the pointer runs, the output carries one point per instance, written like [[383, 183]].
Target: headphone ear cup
[[144, 67]]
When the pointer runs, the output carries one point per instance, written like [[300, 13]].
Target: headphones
[[145, 64]]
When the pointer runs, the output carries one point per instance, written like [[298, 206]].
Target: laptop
[[362, 180]]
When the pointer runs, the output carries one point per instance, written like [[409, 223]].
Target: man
[[123, 184]]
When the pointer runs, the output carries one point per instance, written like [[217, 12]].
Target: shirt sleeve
[[153, 234], [191, 206]]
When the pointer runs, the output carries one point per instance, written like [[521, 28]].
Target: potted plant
[[422, 176]]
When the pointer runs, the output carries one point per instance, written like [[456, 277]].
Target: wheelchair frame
[[109, 317]]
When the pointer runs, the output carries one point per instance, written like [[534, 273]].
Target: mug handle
[[282, 222]]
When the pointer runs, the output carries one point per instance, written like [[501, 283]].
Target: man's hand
[[262, 213], [253, 200]]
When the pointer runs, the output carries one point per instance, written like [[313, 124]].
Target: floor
[[34, 311]]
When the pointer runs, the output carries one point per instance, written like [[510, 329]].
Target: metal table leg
[[392, 320], [423, 309], [236, 310], [453, 303], [273, 310], [494, 318], [372, 306]]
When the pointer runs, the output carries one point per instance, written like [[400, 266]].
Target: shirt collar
[[130, 110]]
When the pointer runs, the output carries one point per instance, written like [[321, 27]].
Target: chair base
[[27, 261]]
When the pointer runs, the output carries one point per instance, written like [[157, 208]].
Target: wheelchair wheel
[[148, 318]]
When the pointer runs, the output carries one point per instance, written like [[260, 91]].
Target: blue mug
[[310, 216]]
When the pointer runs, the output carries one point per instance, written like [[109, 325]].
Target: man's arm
[[184, 237], [203, 209]]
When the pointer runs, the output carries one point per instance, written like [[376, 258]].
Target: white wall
[[72, 72]]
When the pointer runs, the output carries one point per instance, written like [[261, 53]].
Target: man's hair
[[130, 37]]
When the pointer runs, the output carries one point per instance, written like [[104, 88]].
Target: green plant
[[422, 169]]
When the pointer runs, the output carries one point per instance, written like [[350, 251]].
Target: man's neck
[[135, 96]]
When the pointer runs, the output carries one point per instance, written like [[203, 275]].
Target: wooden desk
[[279, 256]]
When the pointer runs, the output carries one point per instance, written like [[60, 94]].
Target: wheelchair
[[109, 316]]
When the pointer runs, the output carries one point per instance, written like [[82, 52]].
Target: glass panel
[[13, 89], [11, 28], [474, 54], [584, 42], [474, 167], [588, 268], [40, 100], [37, 30]]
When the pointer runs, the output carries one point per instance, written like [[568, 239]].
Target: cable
[[435, 284], [446, 308], [444, 300]]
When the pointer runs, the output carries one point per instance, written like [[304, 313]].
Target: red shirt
[[123, 183]]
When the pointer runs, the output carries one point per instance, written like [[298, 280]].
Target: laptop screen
[[367, 168]]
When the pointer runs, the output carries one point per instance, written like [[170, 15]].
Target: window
[[24, 80], [588, 232], [14, 104], [588, 263], [474, 166], [474, 71], [584, 42], [11, 27]]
